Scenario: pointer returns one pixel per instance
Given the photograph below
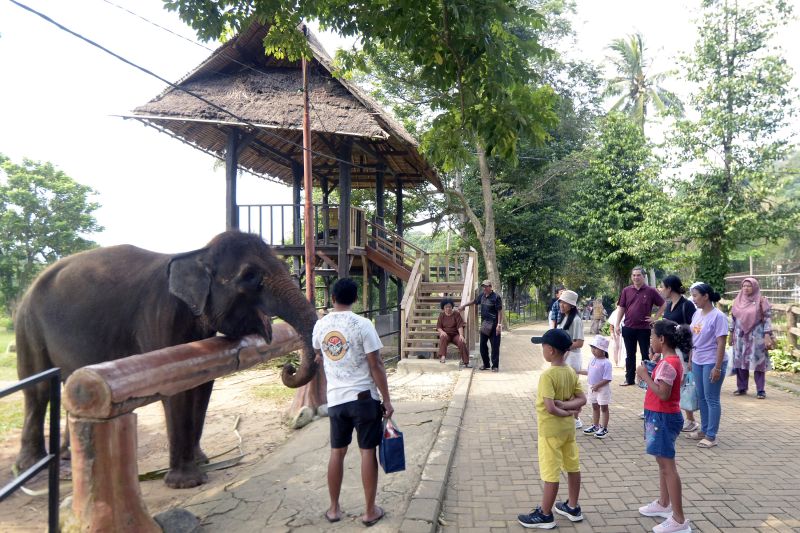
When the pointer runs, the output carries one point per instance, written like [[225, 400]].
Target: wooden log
[[105, 477], [112, 388]]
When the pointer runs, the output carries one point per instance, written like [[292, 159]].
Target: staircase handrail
[[467, 297], [390, 240], [409, 301]]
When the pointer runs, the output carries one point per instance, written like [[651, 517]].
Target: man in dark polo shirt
[[491, 324], [636, 304]]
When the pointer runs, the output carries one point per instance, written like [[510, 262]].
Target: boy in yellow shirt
[[558, 398]]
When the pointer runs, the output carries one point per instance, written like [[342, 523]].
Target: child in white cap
[[599, 377]]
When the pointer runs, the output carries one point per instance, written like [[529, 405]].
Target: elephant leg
[[202, 396], [183, 470], [32, 448]]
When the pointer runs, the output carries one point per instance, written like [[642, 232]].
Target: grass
[[12, 410], [273, 391]]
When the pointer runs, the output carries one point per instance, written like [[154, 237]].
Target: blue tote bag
[[392, 453], [689, 397]]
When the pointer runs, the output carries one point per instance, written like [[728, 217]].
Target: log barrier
[[100, 400]]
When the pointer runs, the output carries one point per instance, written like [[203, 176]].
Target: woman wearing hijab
[[752, 337]]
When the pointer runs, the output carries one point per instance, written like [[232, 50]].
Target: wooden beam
[[344, 154], [327, 260], [245, 141], [231, 167], [387, 263]]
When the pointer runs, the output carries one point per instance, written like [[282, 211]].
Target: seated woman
[[450, 328]]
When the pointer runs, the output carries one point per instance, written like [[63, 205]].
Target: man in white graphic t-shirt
[[350, 349]]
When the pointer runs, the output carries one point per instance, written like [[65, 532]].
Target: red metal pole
[[307, 186]]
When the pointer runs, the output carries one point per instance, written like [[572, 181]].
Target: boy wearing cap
[[559, 397]]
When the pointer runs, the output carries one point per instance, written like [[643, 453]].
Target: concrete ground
[[748, 483]]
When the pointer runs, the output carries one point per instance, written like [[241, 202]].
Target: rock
[[322, 410], [303, 417], [178, 521]]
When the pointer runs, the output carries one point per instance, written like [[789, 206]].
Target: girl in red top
[[663, 422]]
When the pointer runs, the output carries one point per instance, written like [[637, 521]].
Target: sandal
[[442, 360], [705, 443], [739, 392], [690, 427], [696, 435], [370, 523], [332, 520]]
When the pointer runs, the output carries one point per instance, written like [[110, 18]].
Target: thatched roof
[[267, 93]]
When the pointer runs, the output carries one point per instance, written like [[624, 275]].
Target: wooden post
[[326, 219], [345, 154], [297, 231], [791, 322], [380, 214], [231, 167], [311, 280], [399, 224], [105, 477], [365, 283]]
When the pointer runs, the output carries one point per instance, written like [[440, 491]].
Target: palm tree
[[637, 88]]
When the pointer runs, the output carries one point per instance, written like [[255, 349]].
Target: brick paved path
[[750, 482]]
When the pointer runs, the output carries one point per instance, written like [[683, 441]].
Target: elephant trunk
[[301, 315]]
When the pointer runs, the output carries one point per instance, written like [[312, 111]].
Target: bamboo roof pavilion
[[267, 92]]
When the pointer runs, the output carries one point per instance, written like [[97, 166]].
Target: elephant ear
[[190, 280]]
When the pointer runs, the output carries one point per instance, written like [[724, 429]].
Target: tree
[[737, 198], [635, 86], [612, 200], [471, 61], [43, 215]]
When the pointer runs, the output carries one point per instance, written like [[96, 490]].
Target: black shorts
[[365, 416]]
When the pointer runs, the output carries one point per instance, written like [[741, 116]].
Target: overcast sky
[[59, 97]]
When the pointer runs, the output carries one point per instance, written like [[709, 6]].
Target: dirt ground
[[255, 396], [259, 399]]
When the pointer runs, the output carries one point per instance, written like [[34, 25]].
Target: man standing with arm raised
[[636, 304], [491, 324], [351, 350]]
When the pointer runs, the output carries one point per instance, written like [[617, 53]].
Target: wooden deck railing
[[390, 243], [446, 266], [784, 323], [468, 295], [409, 303]]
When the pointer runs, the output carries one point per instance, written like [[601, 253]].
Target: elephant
[[107, 303]]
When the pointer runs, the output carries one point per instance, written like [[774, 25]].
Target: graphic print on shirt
[[335, 345]]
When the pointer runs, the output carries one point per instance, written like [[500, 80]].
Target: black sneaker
[[601, 433], [537, 520], [564, 509], [591, 429]]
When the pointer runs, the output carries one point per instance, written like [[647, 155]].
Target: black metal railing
[[51, 459], [283, 224], [370, 312], [524, 312]]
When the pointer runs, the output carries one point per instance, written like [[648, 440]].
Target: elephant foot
[[185, 478], [25, 460], [200, 458]]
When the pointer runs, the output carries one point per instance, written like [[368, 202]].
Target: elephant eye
[[251, 278]]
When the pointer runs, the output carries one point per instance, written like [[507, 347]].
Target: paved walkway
[[748, 483]]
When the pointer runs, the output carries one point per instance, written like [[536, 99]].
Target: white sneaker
[[656, 509], [578, 423], [671, 526]]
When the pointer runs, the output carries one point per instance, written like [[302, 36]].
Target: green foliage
[[472, 59], [783, 360], [638, 88], [43, 213], [610, 218], [742, 104]]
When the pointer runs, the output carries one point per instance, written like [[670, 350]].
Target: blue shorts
[[661, 430]]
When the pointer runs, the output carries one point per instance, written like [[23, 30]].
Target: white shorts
[[574, 359], [600, 397]]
